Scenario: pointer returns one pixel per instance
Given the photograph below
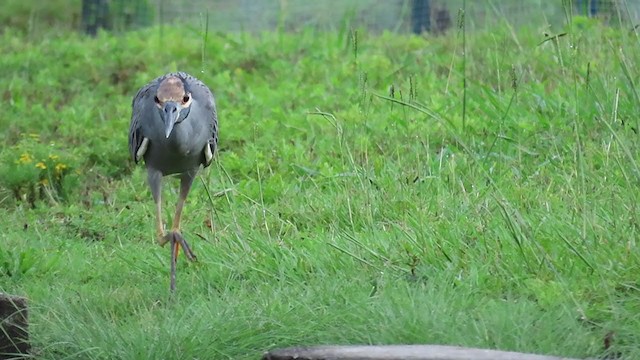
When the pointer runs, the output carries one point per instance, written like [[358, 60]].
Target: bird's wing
[[201, 91], [138, 107]]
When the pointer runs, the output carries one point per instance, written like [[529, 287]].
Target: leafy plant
[[15, 263], [33, 170]]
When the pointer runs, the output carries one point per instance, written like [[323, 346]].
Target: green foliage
[[584, 23], [39, 17], [347, 204], [33, 170], [24, 262]]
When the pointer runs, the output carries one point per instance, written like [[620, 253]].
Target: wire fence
[[417, 16]]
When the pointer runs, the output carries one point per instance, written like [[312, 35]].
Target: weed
[[35, 171], [337, 211]]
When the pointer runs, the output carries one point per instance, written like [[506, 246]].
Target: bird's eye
[[155, 98], [185, 99]]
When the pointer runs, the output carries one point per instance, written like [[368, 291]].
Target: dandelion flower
[[25, 158], [60, 167]]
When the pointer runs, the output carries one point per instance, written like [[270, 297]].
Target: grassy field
[[369, 189]]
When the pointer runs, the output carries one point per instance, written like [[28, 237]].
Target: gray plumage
[[174, 128], [183, 149]]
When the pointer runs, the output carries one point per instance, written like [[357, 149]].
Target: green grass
[[340, 213]]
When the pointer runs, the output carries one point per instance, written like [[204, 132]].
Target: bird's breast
[[182, 151], [186, 140]]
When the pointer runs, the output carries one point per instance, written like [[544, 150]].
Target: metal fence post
[[587, 7], [95, 14], [420, 16], [115, 15]]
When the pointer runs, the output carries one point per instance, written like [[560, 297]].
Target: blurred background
[[254, 16]]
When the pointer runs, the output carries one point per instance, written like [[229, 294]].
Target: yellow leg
[[175, 226], [155, 183], [186, 180], [162, 239]]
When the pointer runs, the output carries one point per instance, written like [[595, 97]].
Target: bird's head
[[173, 100]]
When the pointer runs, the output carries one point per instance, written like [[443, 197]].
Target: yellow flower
[[60, 167], [44, 182], [41, 165], [54, 157], [25, 158]]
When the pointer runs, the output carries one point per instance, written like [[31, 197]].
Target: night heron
[[174, 128]]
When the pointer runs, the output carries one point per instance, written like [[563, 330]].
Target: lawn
[[368, 189]]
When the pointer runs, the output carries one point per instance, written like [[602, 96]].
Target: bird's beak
[[170, 114]]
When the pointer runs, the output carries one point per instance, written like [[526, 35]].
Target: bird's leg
[[162, 238], [186, 180], [154, 178], [174, 257]]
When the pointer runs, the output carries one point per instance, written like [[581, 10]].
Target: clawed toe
[[176, 237], [177, 241], [183, 243], [164, 239]]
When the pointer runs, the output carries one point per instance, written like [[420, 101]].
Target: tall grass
[[339, 210]]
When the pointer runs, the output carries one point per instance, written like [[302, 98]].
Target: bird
[[174, 128]]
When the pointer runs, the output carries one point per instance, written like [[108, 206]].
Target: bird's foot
[[176, 238], [163, 239]]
